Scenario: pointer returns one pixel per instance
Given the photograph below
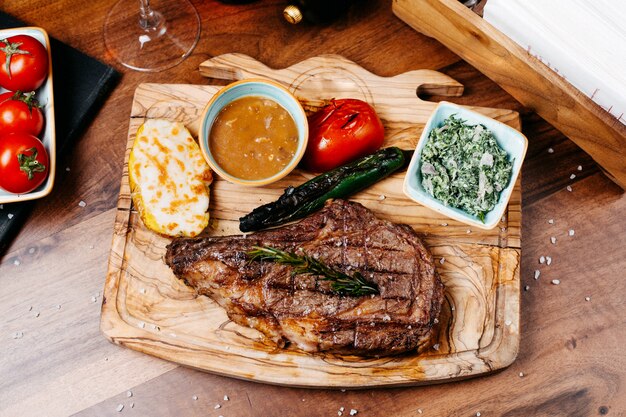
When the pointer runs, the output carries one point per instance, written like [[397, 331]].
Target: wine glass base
[[154, 49]]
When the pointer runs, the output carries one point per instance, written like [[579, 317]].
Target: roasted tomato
[[23, 63], [20, 113], [23, 163], [340, 132]]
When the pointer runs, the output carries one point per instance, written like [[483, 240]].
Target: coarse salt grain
[[381, 197], [93, 299], [571, 232], [10, 216], [508, 322], [521, 374], [478, 414], [587, 298], [553, 240], [580, 167], [132, 405], [353, 412], [120, 407], [526, 288], [442, 260], [468, 231], [18, 335], [217, 406], [142, 325], [436, 346], [537, 273], [67, 169], [37, 314], [82, 203], [30, 308], [226, 398], [444, 224], [542, 259], [31, 250], [551, 221], [58, 306], [142, 290], [556, 282], [16, 262], [548, 260], [571, 177], [339, 413], [194, 397], [419, 411], [550, 150], [569, 188], [341, 409], [129, 394]]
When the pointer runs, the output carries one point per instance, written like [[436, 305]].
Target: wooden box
[[523, 76]]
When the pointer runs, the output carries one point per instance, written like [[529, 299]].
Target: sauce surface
[[253, 138]]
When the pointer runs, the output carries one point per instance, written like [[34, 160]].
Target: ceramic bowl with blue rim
[[509, 139], [257, 88]]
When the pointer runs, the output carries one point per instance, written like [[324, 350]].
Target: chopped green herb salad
[[463, 167]]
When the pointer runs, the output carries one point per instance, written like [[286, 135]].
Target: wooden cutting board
[[147, 309]]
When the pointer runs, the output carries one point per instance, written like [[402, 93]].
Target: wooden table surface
[[571, 361]]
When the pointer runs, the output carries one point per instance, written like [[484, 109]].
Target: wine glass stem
[[148, 19]]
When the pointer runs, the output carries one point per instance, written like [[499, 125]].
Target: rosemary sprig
[[342, 283]]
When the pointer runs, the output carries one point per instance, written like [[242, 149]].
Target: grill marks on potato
[[169, 179]]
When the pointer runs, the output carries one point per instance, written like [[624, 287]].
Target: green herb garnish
[[342, 283], [463, 167]]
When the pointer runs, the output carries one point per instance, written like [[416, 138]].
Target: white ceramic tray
[[45, 97]]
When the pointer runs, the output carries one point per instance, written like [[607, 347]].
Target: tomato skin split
[[342, 131]]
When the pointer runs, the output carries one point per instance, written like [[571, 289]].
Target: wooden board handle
[[239, 66], [524, 77]]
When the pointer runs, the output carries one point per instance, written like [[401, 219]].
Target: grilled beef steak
[[303, 309]]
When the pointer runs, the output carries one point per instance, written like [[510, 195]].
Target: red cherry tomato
[[20, 113], [342, 131], [23, 163], [23, 63]]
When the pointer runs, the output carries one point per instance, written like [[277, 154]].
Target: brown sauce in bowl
[[253, 138]]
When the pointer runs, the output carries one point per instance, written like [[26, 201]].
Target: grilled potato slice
[[169, 179]]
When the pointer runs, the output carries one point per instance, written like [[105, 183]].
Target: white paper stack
[[582, 40]]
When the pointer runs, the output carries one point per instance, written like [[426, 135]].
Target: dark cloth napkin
[[81, 84]]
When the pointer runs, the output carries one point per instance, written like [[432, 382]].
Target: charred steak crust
[[302, 309]]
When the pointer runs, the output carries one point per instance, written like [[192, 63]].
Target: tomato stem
[[11, 49], [29, 163], [28, 99]]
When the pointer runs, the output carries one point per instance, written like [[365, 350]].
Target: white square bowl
[[45, 97], [509, 139]]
